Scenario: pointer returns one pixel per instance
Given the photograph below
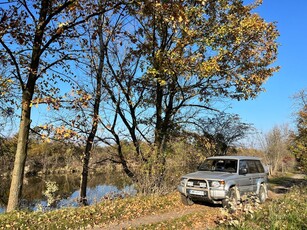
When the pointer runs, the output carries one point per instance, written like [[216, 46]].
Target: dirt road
[[207, 212]]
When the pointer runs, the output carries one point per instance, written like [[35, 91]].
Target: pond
[[99, 187]]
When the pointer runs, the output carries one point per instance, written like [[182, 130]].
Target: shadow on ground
[[207, 204]]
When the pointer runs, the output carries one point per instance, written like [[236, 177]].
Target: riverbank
[[68, 185]]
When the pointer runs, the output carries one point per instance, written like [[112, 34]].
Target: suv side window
[[260, 167], [252, 167]]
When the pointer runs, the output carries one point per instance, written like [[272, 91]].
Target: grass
[[100, 214], [288, 212]]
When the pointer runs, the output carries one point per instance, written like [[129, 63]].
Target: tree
[[220, 132], [196, 52], [34, 42], [102, 33], [171, 61], [84, 100], [299, 138], [277, 148]]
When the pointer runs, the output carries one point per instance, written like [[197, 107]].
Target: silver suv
[[224, 179]]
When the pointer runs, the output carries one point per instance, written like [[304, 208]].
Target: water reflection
[[99, 186]]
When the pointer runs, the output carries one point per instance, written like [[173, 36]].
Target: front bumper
[[202, 194]]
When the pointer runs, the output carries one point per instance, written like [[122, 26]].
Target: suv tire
[[262, 194], [231, 201], [186, 200]]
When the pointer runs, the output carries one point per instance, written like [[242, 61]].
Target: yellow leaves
[[225, 39], [253, 25], [203, 2], [152, 71], [62, 24], [210, 67], [172, 14], [222, 30], [60, 28], [180, 19], [45, 138], [161, 82], [31, 104]]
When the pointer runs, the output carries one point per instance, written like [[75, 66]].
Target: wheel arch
[[237, 191], [229, 185]]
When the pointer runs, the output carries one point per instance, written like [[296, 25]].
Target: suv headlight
[[216, 184], [183, 181]]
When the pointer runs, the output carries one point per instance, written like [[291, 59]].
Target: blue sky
[[275, 106]]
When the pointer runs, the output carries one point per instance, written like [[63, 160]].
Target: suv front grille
[[197, 183]]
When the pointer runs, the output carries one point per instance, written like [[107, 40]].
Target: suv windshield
[[220, 165]]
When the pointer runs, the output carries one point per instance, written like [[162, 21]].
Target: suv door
[[245, 180], [254, 174]]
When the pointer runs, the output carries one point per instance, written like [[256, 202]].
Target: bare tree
[[277, 148], [218, 133]]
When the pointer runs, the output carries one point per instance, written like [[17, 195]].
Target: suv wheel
[[262, 194], [186, 200], [232, 200]]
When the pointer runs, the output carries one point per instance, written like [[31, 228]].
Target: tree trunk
[[84, 174], [91, 137], [21, 153]]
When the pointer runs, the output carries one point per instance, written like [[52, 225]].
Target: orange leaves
[[64, 132], [49, 132], [5, 86], [50, 101], [80, 98]]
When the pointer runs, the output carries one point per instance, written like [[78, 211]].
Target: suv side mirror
[[243, 171]]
